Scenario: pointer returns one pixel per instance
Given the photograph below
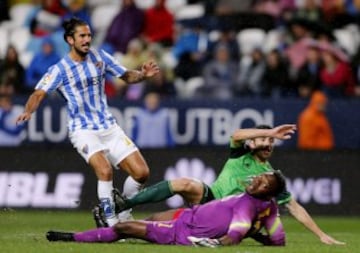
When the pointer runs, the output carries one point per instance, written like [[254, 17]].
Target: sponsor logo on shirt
[[99, 64], [45, 80]]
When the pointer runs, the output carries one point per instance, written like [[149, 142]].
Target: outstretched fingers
[[22, 118], [150, 68]]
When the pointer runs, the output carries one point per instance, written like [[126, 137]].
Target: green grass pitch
[[24, 231]]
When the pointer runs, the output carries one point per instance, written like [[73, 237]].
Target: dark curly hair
[[281, 183], [70, 26]]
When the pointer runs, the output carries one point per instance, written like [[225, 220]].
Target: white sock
[[104, 193], [131, 187]]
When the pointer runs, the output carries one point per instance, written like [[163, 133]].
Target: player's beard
[[81, 52], [264, 153]]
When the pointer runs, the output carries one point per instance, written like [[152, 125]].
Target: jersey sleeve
[[241, 223], [112, 65], [50, 81], [274, 227], [284, 197]]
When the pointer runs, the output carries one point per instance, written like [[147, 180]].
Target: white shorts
[[113, 141]]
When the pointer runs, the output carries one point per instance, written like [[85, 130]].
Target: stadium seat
[[169, 59], [92, 4], [272, 40], [346, 40], [190, 11], [20, 37], [19, 13], [249, 39], [175, 5], [144, 4], [101, 18], [188, 89], [103, 15], [214, 35], [25, 58], [4, 41]]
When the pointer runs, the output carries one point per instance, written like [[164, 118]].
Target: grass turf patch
[[24, 231]]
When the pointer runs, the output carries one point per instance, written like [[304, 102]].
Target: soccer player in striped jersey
[[250, 150], [80, 78], [237, 217]]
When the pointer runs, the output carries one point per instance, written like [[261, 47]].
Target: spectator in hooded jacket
[[152, 124], [12, 72], [315, 132], [41, 62], [127, 25]]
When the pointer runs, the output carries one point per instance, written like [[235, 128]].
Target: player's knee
[[141, 176], [105, 174]]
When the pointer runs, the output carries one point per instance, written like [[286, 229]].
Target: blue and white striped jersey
[[82, 84]]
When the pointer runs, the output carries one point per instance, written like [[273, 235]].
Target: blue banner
[[202, 122]]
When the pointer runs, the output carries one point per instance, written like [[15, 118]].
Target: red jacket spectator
[[341, 78], [159, 24], [336, 76]]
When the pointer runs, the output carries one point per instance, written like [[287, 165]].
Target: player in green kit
[[250, 150], [252, 155]]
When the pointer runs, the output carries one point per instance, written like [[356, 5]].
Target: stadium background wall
[[201, 122], [325, 183]]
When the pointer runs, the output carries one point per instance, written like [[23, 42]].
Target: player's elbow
[[278, 243], [38, 95], [279, 240]]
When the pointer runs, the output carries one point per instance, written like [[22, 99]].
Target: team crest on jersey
[[99, 64], [46, 79], [85, 149]]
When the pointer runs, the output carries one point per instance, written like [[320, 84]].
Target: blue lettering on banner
[[202, 123]]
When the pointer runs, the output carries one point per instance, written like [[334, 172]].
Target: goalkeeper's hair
[[280, 183]]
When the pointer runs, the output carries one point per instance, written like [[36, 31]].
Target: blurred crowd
[[219, 49]]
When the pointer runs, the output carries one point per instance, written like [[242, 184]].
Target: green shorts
[[207, 195]]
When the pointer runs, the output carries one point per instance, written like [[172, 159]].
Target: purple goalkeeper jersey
[[236, 216]]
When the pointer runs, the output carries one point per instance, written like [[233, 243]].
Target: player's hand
[[150, 69], [283, 132], [25, 116], [326, 239], [204, 242]]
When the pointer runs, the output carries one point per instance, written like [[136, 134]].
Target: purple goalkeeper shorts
[[168, 232]]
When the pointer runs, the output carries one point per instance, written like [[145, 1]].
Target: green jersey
[[238, 171]]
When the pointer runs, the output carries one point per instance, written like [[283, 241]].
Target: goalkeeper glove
[[204, 242]]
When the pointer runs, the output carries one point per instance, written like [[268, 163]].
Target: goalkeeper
[[241, 216], [250, 150]]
